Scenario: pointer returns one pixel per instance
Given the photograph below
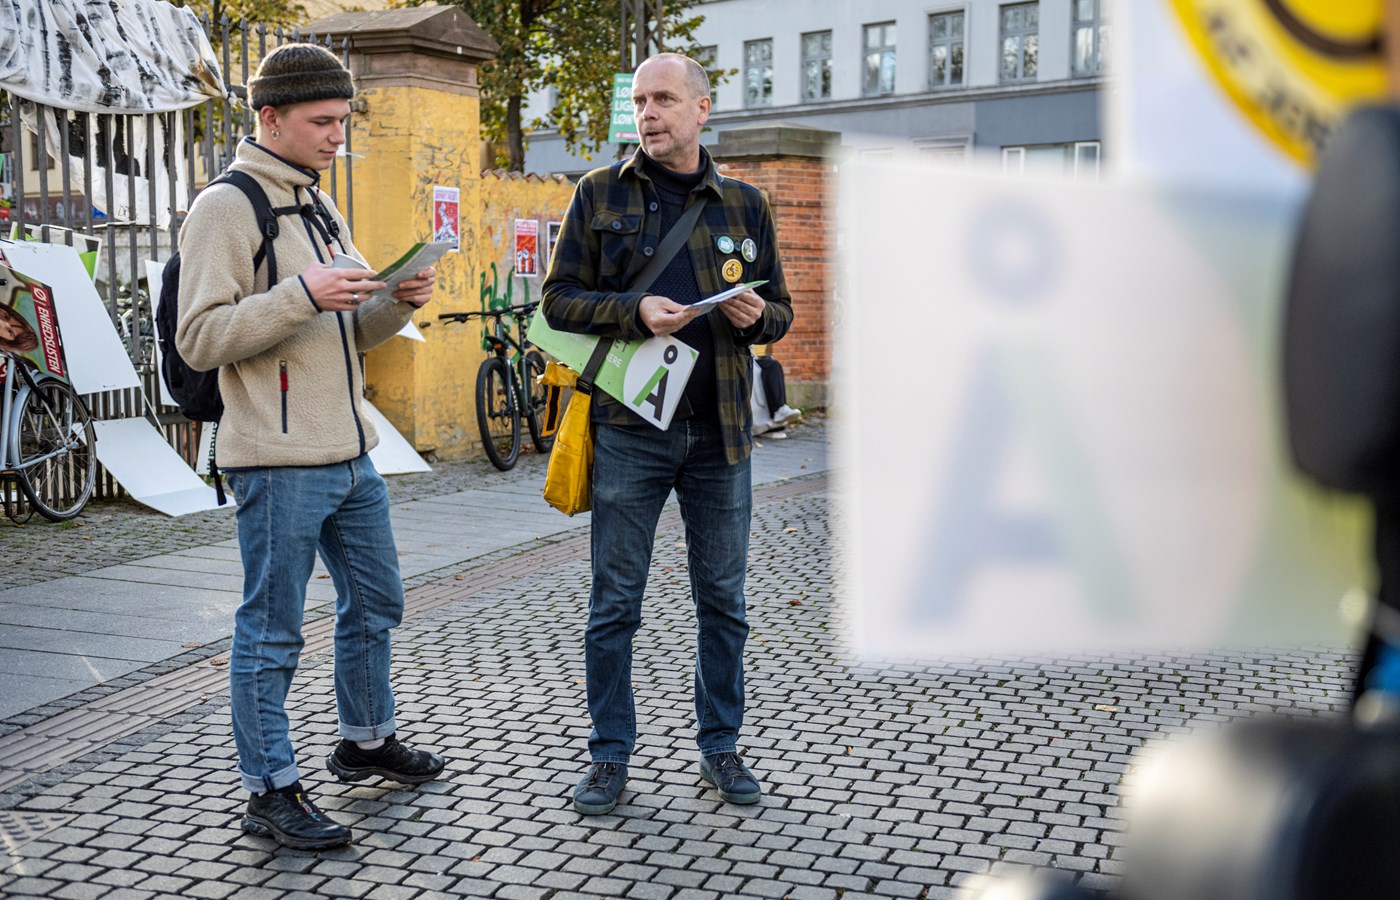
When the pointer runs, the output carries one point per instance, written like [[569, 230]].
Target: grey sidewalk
[[880, 782]]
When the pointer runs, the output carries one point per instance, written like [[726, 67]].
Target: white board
[[154, 272], [141, 461], [97, 358], [394, 455]]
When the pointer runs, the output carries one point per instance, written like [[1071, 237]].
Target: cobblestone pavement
[[880, 781]]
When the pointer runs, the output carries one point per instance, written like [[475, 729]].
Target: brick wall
[[791, 164]]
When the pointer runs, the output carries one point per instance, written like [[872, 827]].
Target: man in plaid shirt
[[618, 217]]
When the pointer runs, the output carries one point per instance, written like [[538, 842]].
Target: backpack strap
[[266, 217]]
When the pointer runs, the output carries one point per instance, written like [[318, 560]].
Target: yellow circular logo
[[732, 270], [1292, 66]]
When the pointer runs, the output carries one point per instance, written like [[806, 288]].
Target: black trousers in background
[[774, 386]]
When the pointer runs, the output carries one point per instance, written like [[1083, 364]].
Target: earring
[[276, 134]]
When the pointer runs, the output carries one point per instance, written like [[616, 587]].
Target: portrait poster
[[447, 223], [28, 323], [527, 248]]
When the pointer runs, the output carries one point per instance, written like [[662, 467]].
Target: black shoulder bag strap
[[670, 246]]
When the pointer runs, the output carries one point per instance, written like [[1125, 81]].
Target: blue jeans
[[286, 514], [634, 471]]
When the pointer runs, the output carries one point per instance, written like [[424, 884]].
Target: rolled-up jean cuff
[[727, 748], [622, 760], [279, 779], [367, 732]]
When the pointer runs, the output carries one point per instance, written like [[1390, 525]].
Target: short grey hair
[[695, 75]]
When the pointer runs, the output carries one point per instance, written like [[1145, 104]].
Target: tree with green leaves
[[286, 13], [570, 46]]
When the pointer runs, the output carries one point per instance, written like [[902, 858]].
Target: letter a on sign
[[648, 388]]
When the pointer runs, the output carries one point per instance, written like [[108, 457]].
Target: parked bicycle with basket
[[507, 391]]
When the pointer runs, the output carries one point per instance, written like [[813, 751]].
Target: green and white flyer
[[645, 376]]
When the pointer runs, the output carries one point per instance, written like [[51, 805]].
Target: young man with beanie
[[294, 441], [617, 219]]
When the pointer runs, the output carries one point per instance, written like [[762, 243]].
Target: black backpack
[[196, 392], [1341, 329]]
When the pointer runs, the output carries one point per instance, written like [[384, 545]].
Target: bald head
[[692, 73]]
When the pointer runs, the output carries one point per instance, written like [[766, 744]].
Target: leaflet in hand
[[722, 296], [420, 256]]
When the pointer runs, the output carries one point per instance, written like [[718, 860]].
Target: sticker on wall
[[527, 248], [553, 237], [447, 222]]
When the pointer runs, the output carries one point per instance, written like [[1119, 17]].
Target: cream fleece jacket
[[289, 374]]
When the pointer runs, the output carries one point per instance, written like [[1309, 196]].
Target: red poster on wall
[[527, 248]]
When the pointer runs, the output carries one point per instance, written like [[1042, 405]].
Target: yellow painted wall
[[408, 141]]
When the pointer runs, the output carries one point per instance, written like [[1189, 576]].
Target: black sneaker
[[597, 793], [729, 775], [288, 816], [392, 760]]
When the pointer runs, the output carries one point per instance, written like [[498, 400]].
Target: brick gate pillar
[[794, 166]]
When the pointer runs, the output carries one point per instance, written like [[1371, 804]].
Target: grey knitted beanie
[[299, 73]]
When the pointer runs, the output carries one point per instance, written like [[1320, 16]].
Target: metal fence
[[146, 169]]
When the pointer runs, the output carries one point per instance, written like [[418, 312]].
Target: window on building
[[1091, 39], [758, 73], [879, 59], [944, 154], [945, 53], [1079, 160], [1086, 161], [706, 57], [816, 66], [35, 155], [1020, 41]]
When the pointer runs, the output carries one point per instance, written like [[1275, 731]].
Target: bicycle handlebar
[[523, 309]]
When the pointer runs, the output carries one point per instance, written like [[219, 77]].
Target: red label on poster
[[49, 338]]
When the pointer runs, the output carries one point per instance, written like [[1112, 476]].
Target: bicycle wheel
[[497, 415], [534, 401], [57, 465]]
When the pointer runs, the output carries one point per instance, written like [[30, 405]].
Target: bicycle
[[46, 445], [506, 389]]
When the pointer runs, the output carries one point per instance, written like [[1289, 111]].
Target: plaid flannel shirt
[[609, 233]]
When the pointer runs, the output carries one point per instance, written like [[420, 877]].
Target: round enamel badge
[[749, 249], [1293, 67], [732, 271], [725, 244]]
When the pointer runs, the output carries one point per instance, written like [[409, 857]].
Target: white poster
[[97, 358]]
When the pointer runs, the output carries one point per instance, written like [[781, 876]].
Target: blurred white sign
[[1060, 422]]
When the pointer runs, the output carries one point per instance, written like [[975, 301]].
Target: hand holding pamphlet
[[420, 256], [710, 302]]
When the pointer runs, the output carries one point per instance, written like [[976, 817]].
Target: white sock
[[370, 745]]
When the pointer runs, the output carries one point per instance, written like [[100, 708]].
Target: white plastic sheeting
[[106, 56]]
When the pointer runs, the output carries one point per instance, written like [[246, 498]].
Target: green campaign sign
[[647, 376], [623, 127]]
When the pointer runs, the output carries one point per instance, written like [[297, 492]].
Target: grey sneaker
[[729, 775], [597, 793]]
